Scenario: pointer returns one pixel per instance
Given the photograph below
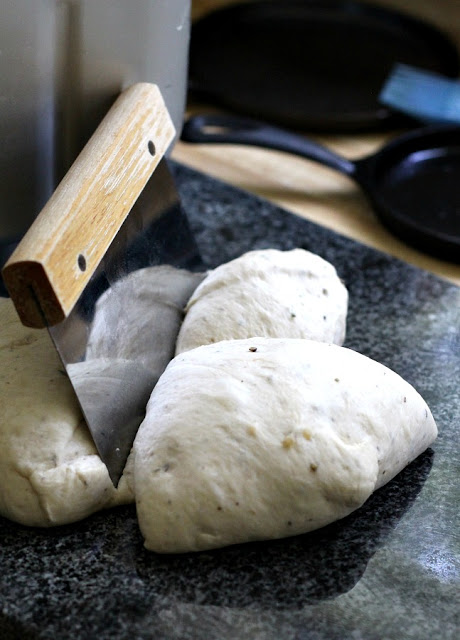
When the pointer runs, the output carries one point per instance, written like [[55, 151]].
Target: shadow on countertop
[[77, 577], [291, 572]]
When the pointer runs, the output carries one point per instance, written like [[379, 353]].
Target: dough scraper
[[114, 220]]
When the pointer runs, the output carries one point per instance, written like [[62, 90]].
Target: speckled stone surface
[[390, 571]]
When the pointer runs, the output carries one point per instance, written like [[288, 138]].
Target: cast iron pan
[[413, 182], [310, 64]]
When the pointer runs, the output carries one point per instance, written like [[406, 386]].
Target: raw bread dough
[[264, 438], [270, 293], [50, 472], [147, 307]]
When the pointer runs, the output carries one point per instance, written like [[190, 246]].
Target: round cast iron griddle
[[310, 64], [412, 182]]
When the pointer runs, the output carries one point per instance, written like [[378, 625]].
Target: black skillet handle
[[246, 131]]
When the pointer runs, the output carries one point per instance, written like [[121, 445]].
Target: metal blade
[[121, 334]]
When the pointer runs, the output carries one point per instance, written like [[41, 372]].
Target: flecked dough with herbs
[[50, 472], [269, 293], [265, 438]]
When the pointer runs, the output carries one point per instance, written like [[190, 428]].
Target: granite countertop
[[388, 571]]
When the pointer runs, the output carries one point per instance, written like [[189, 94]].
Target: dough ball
[[50, 472], [265, 438], [147, 309], [269, 293]]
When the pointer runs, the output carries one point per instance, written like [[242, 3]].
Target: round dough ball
[[50, 472], [147, 309], [265, 438], [268, 293]]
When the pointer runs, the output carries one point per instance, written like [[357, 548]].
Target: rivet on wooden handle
[[58, 255]]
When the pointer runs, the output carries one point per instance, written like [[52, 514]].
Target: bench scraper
[[81, 266]]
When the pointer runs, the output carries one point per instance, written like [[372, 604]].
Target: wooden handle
[[58, 255]]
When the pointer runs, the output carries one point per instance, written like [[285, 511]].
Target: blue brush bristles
[[422, 94]]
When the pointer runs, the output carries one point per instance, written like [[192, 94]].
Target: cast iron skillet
[[413, 182], [310, 64]]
